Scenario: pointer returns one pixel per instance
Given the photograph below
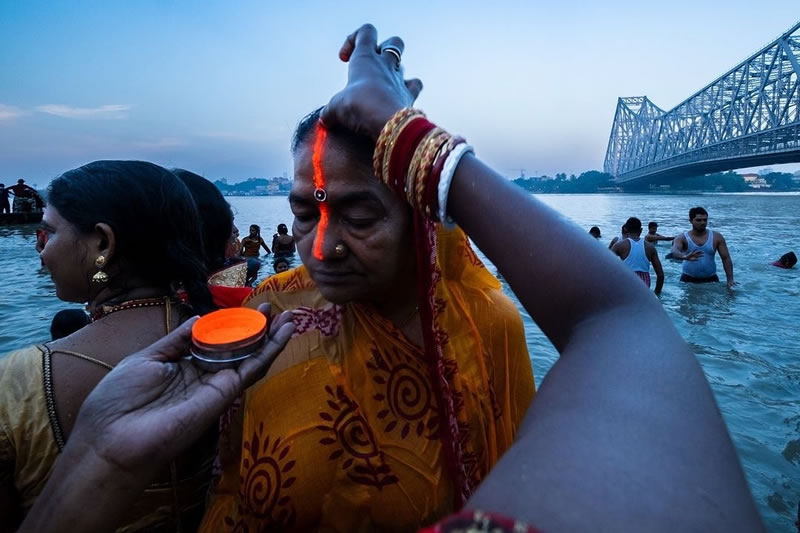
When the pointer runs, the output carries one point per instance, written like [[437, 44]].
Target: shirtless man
[[697, 248], [24, 197], [638, 254], [652, 234]]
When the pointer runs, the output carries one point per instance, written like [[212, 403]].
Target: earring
[[100, 276]]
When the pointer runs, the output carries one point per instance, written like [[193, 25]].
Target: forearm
[[587, 279], [659, 282], [84, 494], [727, 264]]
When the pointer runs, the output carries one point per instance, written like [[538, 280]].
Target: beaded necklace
[[105, 310]]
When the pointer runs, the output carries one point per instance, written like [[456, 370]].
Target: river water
[[746, 338]]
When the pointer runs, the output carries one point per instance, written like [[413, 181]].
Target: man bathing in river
[[638, 254], [697, 248], [653, 235]]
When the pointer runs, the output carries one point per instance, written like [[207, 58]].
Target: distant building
[[755, 181]]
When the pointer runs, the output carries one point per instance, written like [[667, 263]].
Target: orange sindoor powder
[[319, 183]]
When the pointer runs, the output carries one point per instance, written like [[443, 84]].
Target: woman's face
[[66, 256], [373, 225], [253, 232]]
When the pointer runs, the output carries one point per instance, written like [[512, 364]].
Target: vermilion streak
[[319, 183]]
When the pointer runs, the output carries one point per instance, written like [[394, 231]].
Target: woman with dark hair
[[123, 237], [282, 242], [228, 279], [404, 407], [624, 434]]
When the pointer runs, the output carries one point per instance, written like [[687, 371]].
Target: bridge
[[747, 117]]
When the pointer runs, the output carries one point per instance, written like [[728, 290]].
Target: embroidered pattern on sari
[[353, 438]]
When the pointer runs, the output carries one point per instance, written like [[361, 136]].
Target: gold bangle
[[380, 145], [426, 165], [413, 168]]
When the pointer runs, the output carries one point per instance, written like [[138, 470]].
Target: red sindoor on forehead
[[319, 185]]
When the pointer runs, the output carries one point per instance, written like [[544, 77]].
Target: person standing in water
[[697, 249], [282, 242], [623, 234], [652, 233], [638, 254], [253, 242], [5, 206]]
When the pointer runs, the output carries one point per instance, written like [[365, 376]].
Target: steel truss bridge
[[749, 116]]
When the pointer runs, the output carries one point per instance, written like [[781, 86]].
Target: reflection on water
[[746, 338]]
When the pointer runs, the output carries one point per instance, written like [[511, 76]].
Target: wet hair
[[66, 322], [216, 216], [594, 231], [651, 225], [693, 212], [633, 225], [280, 260], [789, 259], [282, 229], [20, 181], [360, 148], [156, 225], [258, 228]]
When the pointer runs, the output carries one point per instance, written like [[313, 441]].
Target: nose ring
[[340, 250]]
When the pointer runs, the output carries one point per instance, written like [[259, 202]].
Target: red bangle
[[403, 151]]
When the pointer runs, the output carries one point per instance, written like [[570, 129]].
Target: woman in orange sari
[[624, 435], [361, 424]]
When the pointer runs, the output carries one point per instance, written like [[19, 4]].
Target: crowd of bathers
[[695, 248]]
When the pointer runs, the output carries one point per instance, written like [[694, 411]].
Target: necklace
[[105, 310]]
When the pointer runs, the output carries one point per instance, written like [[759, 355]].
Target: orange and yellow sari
[[345, 433]]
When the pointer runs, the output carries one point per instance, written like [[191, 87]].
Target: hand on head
[[375, 87]]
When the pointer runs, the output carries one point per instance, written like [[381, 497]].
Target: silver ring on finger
[[395, 51]]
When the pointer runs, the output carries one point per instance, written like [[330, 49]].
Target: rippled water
[[746, 339]]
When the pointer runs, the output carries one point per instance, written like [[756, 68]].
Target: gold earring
[[100, 276]]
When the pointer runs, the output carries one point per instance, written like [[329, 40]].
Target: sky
[[218, 87]]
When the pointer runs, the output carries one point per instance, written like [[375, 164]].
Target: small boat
[[9, 219]]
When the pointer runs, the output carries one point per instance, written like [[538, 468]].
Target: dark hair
[[153, 216], [358, 147], [282, 229], [258, 228], [66, 322], [788, 259], [280, 260], [633, 225], [693, 212], [594, 230], [216, 216], [652, 224]]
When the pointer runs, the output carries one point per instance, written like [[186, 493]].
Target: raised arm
[[596, 452]]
